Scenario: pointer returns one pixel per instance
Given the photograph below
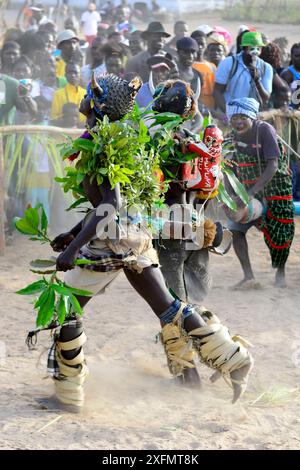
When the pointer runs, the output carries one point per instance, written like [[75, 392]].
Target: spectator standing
[[37, 18], [187, 49], [48, 84], [70, 117], [114, 64], [38, 14], [23, 72], [206, 69], [181, 30], [154, 36], [136, 43], [89, 22], [67, 43], [271, 54], [96, 66], [292, 75], [245, 75], [216, 48], [71, 93], [72, 24], [10, 52], [161, 67]]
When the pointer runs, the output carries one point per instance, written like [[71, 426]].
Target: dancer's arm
[[105, 213], [62, 241]]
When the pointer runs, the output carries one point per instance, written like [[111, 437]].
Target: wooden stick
[[48, 424], [257, 399], [40, 129]]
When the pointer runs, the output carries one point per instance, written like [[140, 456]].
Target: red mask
[[212, 136]]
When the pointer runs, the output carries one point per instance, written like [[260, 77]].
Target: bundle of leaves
[[170, 154], [128, 152], [164, 143], [117, 151], [55, 301]]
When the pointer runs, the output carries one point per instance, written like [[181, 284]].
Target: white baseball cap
[[66, 35], [205, 28]]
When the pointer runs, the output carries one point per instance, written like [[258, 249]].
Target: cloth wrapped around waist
[[130, 246]]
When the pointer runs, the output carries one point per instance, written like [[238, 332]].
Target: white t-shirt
[[90, 20], [86, 73]]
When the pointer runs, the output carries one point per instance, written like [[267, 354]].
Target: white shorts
[[92, 281]]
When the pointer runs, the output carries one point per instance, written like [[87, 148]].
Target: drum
[[247, 213]]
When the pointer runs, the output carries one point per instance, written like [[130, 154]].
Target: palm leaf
[[54, 157], [237, 186], [224, 197], [16, 157], [8, 145], [23, 175]]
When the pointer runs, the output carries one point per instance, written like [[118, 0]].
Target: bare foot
[[216, 376], [191, 378], [239, 379], [280, 280], [52, 403]]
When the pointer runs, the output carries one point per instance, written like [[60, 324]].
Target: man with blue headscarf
[[263, 168]]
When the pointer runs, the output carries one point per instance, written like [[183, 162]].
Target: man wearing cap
[[154, 36], [206, 29], [187, 49], [89, 22], [162, 68], [67, 43], [38, 14], [244, 75]]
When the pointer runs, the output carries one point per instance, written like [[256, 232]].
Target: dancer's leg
[[181, 323]]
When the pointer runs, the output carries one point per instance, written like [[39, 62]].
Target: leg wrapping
[[223, 352], [178, 347], [219, 350], [72, 372]]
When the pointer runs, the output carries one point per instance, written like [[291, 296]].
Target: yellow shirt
[[60, 67], [67, 94]]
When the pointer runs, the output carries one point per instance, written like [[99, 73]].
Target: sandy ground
[[131, 402]]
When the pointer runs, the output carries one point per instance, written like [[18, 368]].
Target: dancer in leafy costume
[[185, 332]]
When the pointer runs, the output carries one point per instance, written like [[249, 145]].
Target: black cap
[[155, 27], [161, 59], [186, 44]]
